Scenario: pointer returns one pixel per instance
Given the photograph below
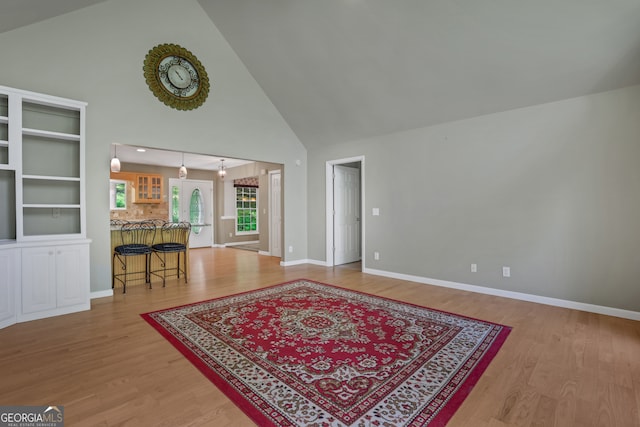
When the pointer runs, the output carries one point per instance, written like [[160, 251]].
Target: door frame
[[210, 207], [330, 260], [270, 219]]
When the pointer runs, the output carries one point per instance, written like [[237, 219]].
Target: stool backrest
[[138, 233], [176, 232], [158, 222]]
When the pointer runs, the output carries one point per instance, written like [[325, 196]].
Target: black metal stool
[[175, 240], [137, 238]]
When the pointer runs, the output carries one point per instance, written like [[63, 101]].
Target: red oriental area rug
[[309, 354]]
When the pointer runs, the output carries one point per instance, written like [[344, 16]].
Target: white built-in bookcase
[[43, 244]]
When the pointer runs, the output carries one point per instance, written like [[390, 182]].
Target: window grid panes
[[246, 210]]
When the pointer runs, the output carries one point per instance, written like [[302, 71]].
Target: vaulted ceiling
[[340, 70]]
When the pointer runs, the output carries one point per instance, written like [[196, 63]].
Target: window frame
[[113, 192], [256, 209]]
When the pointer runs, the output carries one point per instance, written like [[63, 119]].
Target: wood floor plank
[[108, 367]]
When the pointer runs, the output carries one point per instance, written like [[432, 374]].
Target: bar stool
[[175, 240], [137, 238]]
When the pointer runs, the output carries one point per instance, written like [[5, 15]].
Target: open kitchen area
[[226, 202]]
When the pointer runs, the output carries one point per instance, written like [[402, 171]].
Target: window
[[246, 210], [117, 194], [175, 204], [196, 211]]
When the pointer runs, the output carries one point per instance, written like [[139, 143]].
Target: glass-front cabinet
[[148, 188]]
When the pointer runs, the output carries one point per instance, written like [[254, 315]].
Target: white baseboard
[[248, 242], [101, 294], [599, 309], [302, 261], [592, 308]]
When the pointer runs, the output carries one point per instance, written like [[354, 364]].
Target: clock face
[[176, 77], [179, 75]]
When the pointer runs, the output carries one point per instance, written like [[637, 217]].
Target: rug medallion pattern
[[309, 354]]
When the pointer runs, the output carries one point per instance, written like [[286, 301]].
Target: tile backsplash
[[139, 211]]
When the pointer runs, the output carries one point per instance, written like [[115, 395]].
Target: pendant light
[[115, 162], [221, 169], [182, 172]]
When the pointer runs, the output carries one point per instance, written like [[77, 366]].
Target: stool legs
[[165, 265], [123, 265]]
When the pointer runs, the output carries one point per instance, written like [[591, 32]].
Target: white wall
[[96, 55], [552, 191]]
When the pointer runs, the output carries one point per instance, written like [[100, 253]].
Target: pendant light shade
[[182, 172], [115, 162], [221, 169]]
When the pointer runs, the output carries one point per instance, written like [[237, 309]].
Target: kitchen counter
[[137, 262]]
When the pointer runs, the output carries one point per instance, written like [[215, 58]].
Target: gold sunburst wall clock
[[176, 77]]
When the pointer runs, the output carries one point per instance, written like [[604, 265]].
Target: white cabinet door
[[9, 283], [72, 272], [38, 279], [346, 205], [55, 280]]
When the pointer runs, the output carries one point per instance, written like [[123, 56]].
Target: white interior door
[[275, 214], [192, 201], [346, 205]]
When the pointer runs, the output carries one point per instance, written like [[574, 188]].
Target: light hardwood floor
[[108, 367]]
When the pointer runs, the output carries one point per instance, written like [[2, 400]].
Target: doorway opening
[[214, 213], [345, 232]]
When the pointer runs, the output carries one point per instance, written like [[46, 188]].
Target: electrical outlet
[[55, 212], [290, 249], [506, 271], [474, 268], [376, 255]]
